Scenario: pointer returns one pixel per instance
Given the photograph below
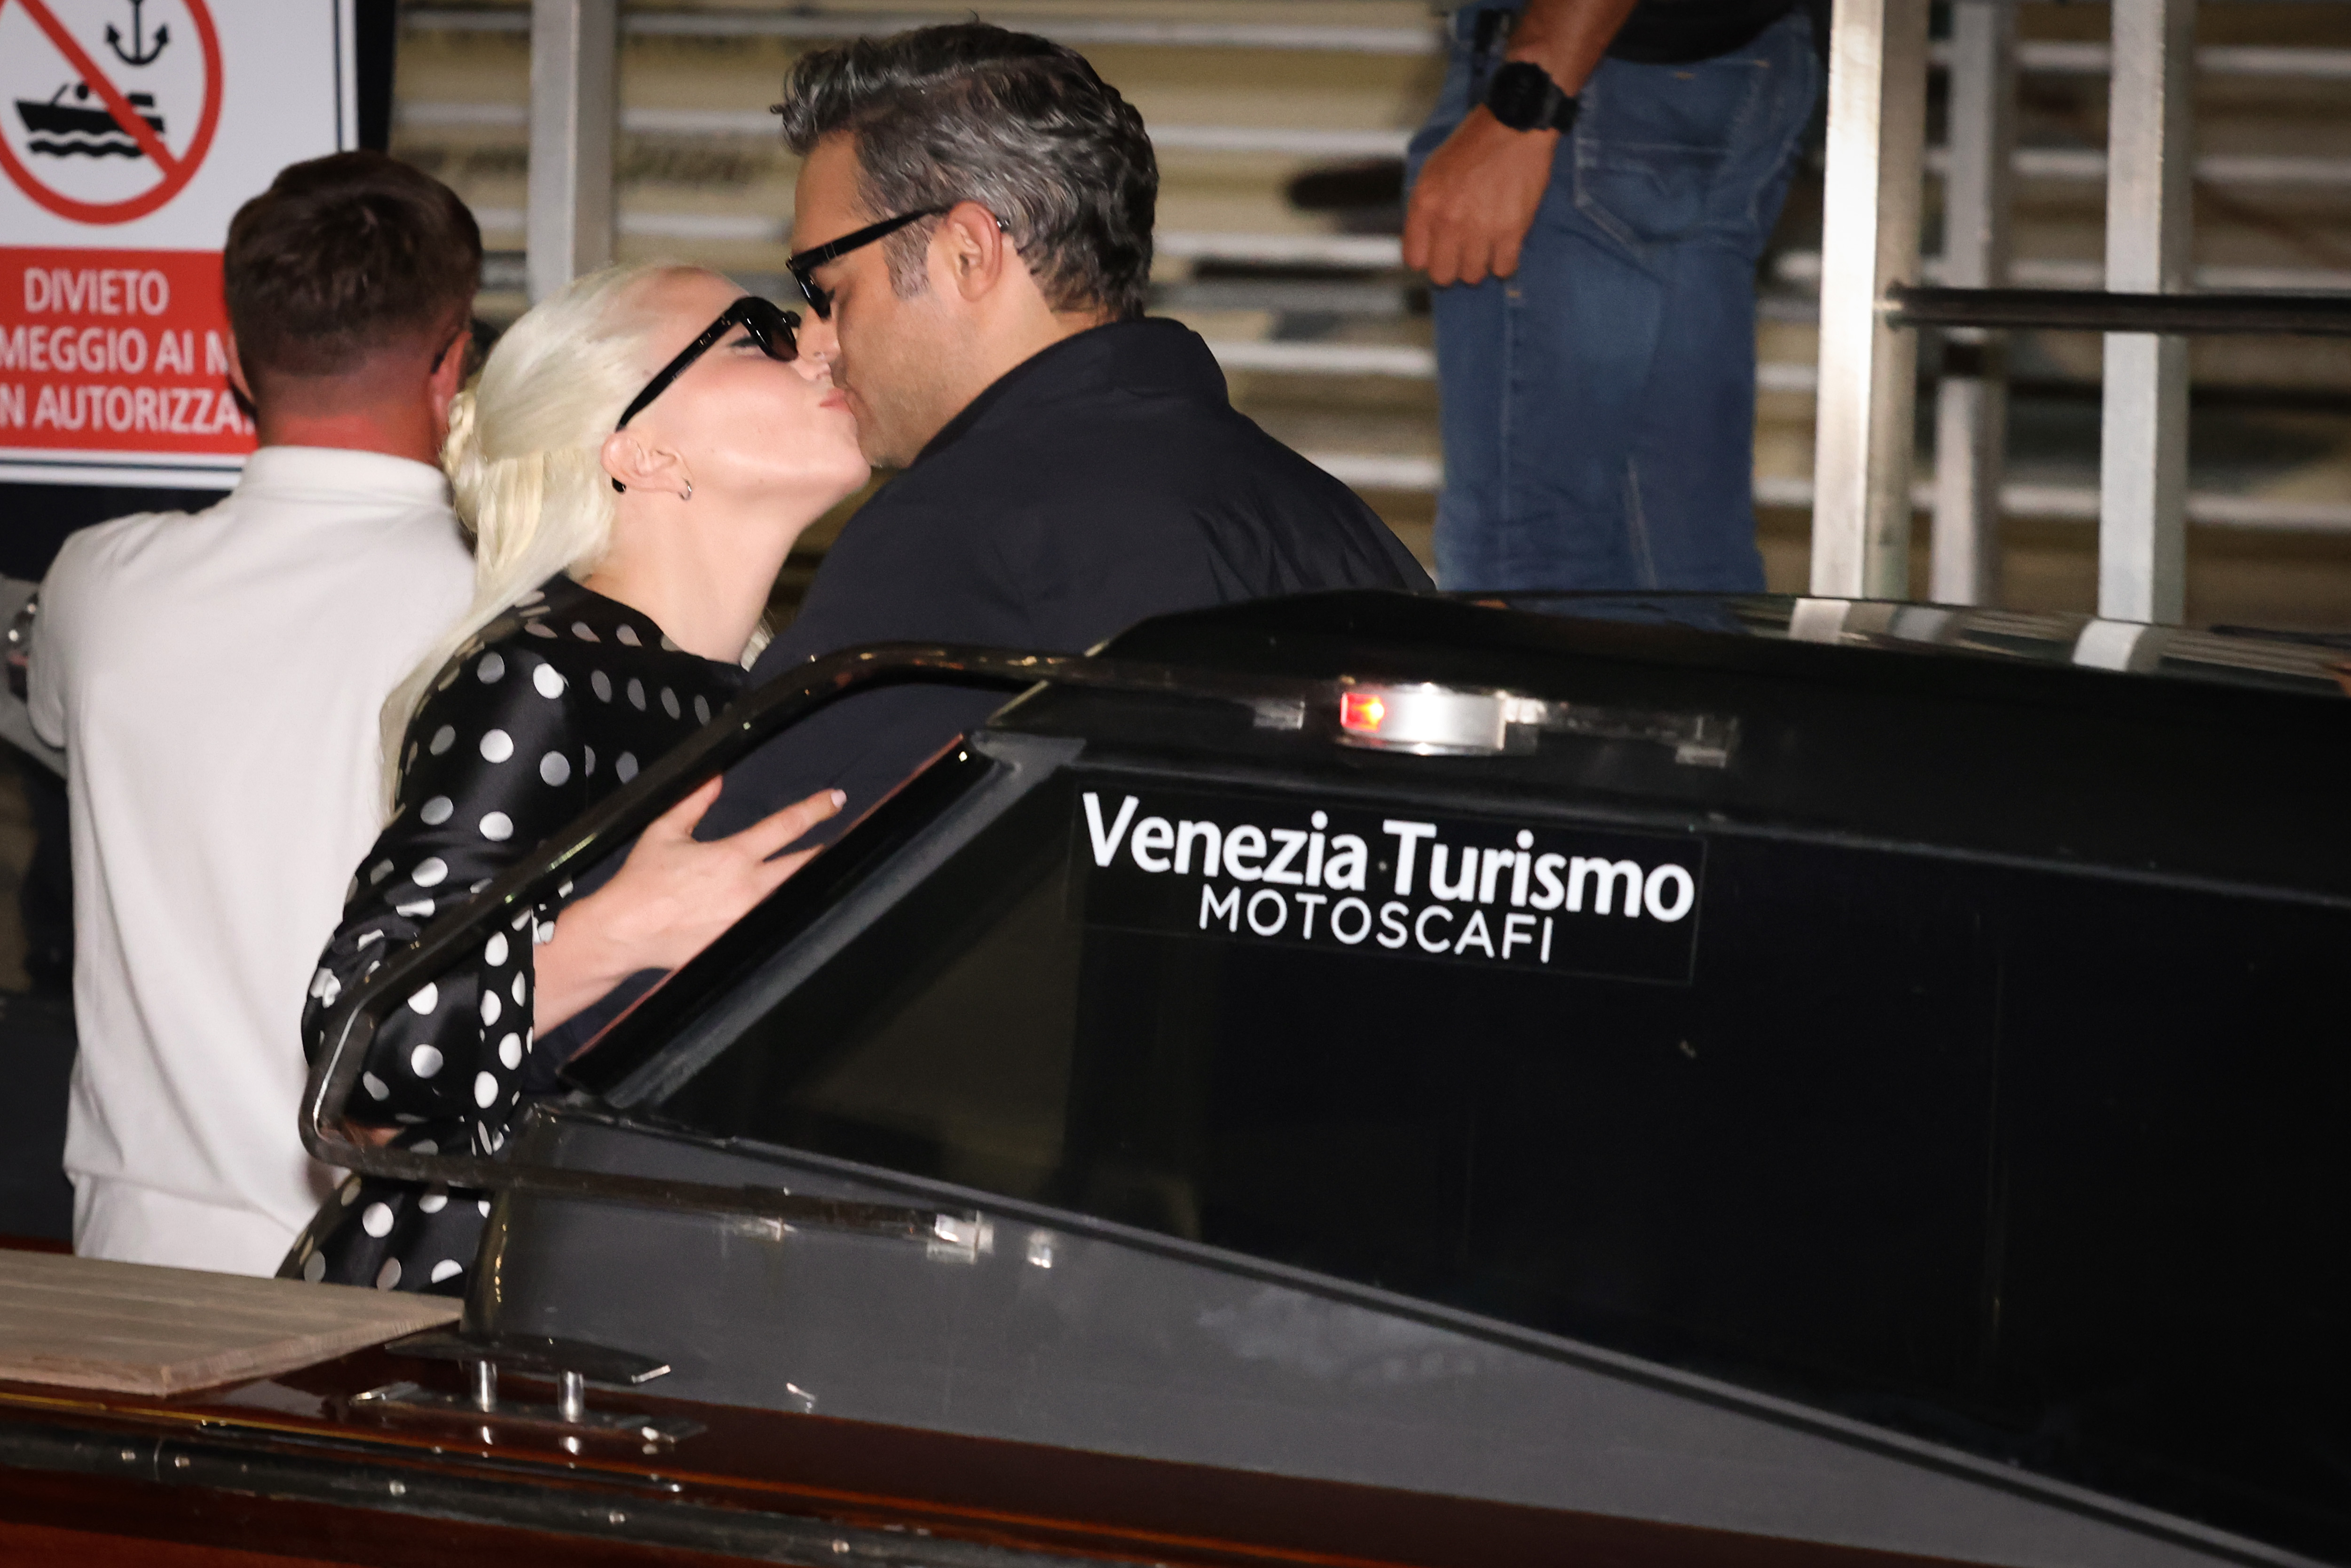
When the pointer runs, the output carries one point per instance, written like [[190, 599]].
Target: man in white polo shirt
[[214, 680]]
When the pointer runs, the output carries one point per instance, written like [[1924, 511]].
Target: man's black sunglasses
[[807, 261], [770, 326]]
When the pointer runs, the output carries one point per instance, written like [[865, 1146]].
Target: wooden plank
[[87, 1324]]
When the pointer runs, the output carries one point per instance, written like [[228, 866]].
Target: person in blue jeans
[[1590, 200]]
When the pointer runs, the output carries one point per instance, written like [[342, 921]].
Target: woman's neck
[[703, 581]]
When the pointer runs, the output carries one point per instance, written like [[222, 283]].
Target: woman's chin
[[833, 478], [854, 478], [853, 459]]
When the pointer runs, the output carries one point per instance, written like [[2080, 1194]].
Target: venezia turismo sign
[[1536, 896]]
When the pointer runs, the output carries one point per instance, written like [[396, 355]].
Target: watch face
[[1520, 91]]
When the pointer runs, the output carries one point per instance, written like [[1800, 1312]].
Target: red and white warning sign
[[131, 131]]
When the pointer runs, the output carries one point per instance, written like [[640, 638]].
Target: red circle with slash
[[177, 171]]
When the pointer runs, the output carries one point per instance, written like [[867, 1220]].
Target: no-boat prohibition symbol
[[107, 107]]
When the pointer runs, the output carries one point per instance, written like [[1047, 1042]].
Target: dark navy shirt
[[1676, 32], [1104, 480]]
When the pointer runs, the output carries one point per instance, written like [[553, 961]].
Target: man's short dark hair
[[345, 255], [1010, 121]]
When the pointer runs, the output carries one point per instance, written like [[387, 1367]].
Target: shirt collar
[[340, 474], [1157, 356]]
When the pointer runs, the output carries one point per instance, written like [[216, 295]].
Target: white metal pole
[[2143, 451], [575, 92], [1869, 241], [1971, 410]]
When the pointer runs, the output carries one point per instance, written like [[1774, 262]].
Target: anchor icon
[[139, 54]]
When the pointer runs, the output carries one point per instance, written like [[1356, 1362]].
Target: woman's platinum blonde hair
[[522, 458]]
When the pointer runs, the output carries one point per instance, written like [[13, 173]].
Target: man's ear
[[448, 374], [976, 252], [237, 368], [447, 377], [630, 463]]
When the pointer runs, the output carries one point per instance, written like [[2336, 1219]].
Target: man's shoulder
[[1174, 444], [104, 546], [102, 553], [423, 540], [428, 546], [1123, 472], [158, 575]]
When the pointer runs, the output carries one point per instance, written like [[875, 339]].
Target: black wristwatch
[[1523, 96]]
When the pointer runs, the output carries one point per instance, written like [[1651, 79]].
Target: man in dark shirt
[[1068, 468]]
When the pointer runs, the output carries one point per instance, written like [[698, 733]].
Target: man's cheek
[[842, 359]]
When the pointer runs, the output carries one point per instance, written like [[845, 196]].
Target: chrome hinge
[[571, 1363]]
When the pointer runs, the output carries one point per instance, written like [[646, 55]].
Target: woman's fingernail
[[840, 798]]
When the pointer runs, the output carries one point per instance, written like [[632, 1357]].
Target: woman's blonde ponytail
[[524, 461]]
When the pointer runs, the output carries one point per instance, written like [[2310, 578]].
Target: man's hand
[[1476, 195], [1475, 199], [670, 900]]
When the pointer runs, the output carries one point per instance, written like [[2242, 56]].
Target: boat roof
[[1735, 629]]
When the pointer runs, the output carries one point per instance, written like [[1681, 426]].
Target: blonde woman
[[636, 461]]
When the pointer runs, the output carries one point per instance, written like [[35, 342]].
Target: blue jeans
[[1599, 403]]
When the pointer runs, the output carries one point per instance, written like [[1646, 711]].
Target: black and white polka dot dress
[[553, 707]]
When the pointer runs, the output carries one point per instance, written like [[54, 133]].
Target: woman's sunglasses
[[770, 326], [765, 322]]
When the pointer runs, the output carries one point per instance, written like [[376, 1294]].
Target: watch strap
[[1523, 96]]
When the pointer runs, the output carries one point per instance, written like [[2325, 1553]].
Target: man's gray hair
[[1015, 122]]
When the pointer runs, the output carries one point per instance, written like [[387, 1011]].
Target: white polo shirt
[[215, 679]]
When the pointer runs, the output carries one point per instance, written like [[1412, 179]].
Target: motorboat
[[1808, 1076]]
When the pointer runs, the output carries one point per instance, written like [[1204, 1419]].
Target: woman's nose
[[818, 343]]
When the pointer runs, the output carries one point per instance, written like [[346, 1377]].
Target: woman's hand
[[672, 898]]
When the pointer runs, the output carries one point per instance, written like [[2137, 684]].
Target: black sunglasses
[[807, 261], [767, 323]]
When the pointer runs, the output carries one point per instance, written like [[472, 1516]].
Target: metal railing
[[1872, 301], [817, 23], [2084, 166]]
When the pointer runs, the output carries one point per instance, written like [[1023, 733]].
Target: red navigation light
[[1361, 712]]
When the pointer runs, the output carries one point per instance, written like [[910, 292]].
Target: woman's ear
[[632, 466], [620, 455]]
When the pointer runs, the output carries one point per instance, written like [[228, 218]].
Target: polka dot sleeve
[[492, 766]]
